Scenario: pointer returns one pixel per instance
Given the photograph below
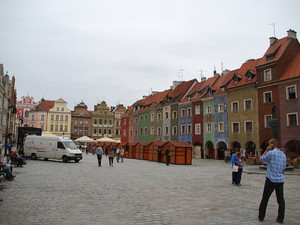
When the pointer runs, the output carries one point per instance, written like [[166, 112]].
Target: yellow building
[[59, 119], [243, 127]]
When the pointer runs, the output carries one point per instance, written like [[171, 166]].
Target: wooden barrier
[[154, 148], [181, 152]]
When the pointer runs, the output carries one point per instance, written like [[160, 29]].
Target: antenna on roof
[[180, 74], [273, 24]]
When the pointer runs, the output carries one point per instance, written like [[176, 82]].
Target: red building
[[278, 88], [23, 107]]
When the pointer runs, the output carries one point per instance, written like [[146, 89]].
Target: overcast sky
[[120, 50]]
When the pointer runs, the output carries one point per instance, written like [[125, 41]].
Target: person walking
[[122, 154], [168, 157], [111, 157], [99, 153], [276, 160], [118, 154]]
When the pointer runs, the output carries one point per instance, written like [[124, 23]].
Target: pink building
[[23, 107]]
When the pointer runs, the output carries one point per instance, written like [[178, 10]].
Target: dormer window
[[267, 75], [249, 75]]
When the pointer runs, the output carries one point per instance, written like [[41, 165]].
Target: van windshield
[[70, 144]]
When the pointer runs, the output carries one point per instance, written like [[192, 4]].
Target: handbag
[[235, 168]]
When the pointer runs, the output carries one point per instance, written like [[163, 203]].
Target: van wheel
[[33, 156], [46, 159], [76, 160], [65, 159]]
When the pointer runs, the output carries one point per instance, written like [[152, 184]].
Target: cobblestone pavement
[[138, 192]]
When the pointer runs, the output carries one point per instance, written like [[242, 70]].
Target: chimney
[[175, 84], [203, 79], [292, 34], [272, 40]]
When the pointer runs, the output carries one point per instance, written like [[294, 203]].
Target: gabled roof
[[242, 76], [44, 105], [275, 51], [179, 92], [293, 69]]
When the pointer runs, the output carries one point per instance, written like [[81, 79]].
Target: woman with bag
[[234, 166], [240, 169]]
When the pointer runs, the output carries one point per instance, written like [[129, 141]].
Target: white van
[[51, 148]]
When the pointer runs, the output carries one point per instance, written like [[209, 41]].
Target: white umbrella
[[106, 139], [84, 139]]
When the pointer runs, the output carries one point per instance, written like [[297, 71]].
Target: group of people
[[276, 164], [111, 154]]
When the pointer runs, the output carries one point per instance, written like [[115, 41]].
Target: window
[[42, 126], [61, 117], [174, 114], [166, 130], [124, 133], [131, 133], [152, 116], [135, 120], [189, 129], [57, 117], [51, 127], [57, 109], [182, 129], [291, 92], [267, 75], [66, 128], [66, 118], [208, 109], [141, 119], [117, 123], [100, 121], [174, 130], [130, 121], [52, 117], [248, 126], [267, 121], [26, 113], [146, 118], [56, 127], [197, 109], [189, 112], [152, 131], [95, 131], [166, 115], [208, 128], [125, 122], [146, 131], [62, 109], [268, 97], [221, 127], [61, 128], [60, 145], [292, 119], [235, 106], [105, 122], [220, 108], [100, 131], [104, 131], [248, 104], [110, 122], [135, 132], [159, 131], [159, 116], [32, 117], [80, 122], [197, 128], [183, 113], [235, 127], [109, 131], [42, 117]]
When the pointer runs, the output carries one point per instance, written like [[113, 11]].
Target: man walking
[[99, 153], [276, 160]]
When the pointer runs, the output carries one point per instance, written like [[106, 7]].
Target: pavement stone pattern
[[138, 192]]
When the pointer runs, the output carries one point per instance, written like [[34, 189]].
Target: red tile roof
[[45, 105], [293, 69], [240, 76], [275, 51]]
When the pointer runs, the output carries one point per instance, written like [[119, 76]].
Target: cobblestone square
[[138, 192]]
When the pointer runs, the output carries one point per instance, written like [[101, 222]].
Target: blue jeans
[[268, 190], [239, 176]]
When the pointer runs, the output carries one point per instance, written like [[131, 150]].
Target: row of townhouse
[[54, 117], [7, 109], [228, 111]]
